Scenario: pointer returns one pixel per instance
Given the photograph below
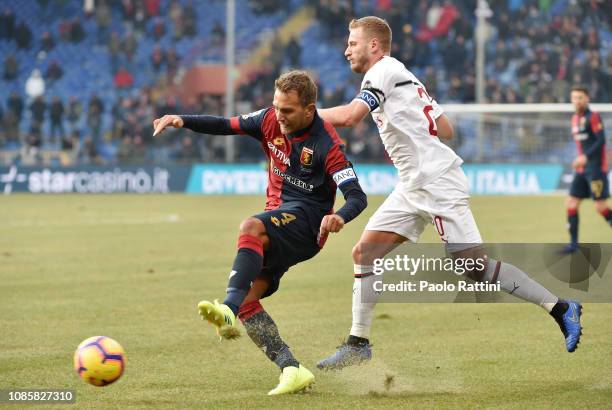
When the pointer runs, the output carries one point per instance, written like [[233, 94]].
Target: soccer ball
[[99, 360]]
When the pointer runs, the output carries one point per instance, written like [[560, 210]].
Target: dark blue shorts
[[293, 239], [590, 184]]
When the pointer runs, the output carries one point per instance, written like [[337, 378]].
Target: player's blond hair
[[374, 27], [300, 82]]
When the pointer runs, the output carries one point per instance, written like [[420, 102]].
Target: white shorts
[[444, 203]]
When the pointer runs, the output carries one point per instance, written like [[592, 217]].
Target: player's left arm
[[343, 174], [345, 115], [598, 132]]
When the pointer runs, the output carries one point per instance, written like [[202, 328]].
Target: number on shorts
[[439, 227], [597, 187], [284, 220]]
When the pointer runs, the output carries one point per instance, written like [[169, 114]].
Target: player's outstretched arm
[[205, 124], [171, 120], [445, 127], [345, 115]]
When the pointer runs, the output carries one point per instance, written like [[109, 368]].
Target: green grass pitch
[[134, 268]]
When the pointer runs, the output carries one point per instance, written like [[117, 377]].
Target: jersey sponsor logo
[[344, 175], [278, 141], [369, 98], [293, 180], [253, 114], [282, 157], [306, 156]]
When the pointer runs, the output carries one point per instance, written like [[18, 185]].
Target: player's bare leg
[[252, 241], [372, 245]]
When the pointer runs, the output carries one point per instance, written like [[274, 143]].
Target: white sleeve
[[376, 86], [437, 109]]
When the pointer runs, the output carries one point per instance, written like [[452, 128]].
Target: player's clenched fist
[[331, 223], [167, 120]]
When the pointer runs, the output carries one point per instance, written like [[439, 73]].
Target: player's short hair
[[374, 27], [581, 88], [300, 82]]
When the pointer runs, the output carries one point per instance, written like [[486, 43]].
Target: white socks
[[363, 289]]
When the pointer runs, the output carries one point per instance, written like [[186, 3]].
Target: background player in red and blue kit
[[591, 168], [306, 166]]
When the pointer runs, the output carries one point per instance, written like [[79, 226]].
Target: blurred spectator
[[88, 153], [23, 36], [129, 45], [103, 20], [172, 62], [94, 116], [89, 7], [35, 84], [176, 15], [75, 111], [191, 19], [77, 34], [46, 42], [30, 151], [125, 149], [188, 150], [56, 113], [140, 19], [15, 104], [38, 108], [152, 7], [11, 67], [70, 141], [10, 124], [157, 58], [159, 28], [7, 24], [218, 34], [123, 78], [294, 51], [54, 72]]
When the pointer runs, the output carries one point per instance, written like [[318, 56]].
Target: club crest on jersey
[[306, 156], [278, 141]]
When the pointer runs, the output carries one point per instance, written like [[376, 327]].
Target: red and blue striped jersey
[[588, 132]]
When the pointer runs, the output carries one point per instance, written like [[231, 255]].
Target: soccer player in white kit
[[431, 188]]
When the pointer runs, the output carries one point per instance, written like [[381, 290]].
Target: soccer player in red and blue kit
[[591, 168], [306, 166]]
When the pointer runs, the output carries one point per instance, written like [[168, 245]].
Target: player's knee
[[361, 255], [252, 226], [601, 207], [572, 203]]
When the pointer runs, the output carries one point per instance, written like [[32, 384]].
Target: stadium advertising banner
[[485, 179], [512, 179], [94, 179], [251, 179]]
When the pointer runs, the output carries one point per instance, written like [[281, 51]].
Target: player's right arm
[[345, 115], [249, 124], [445, 127]]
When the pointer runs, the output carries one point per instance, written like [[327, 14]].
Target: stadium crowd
[[535, 51]]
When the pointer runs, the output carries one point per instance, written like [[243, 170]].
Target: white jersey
[[405, 116]]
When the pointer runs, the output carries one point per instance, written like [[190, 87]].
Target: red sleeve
[[596, 124], [335, 159]]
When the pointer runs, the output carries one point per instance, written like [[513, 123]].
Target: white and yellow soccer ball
[[99, 360]]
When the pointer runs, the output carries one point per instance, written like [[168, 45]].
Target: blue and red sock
[[247, 265]]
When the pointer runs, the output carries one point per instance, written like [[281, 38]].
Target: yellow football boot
[[221, 317], [293, 380]]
